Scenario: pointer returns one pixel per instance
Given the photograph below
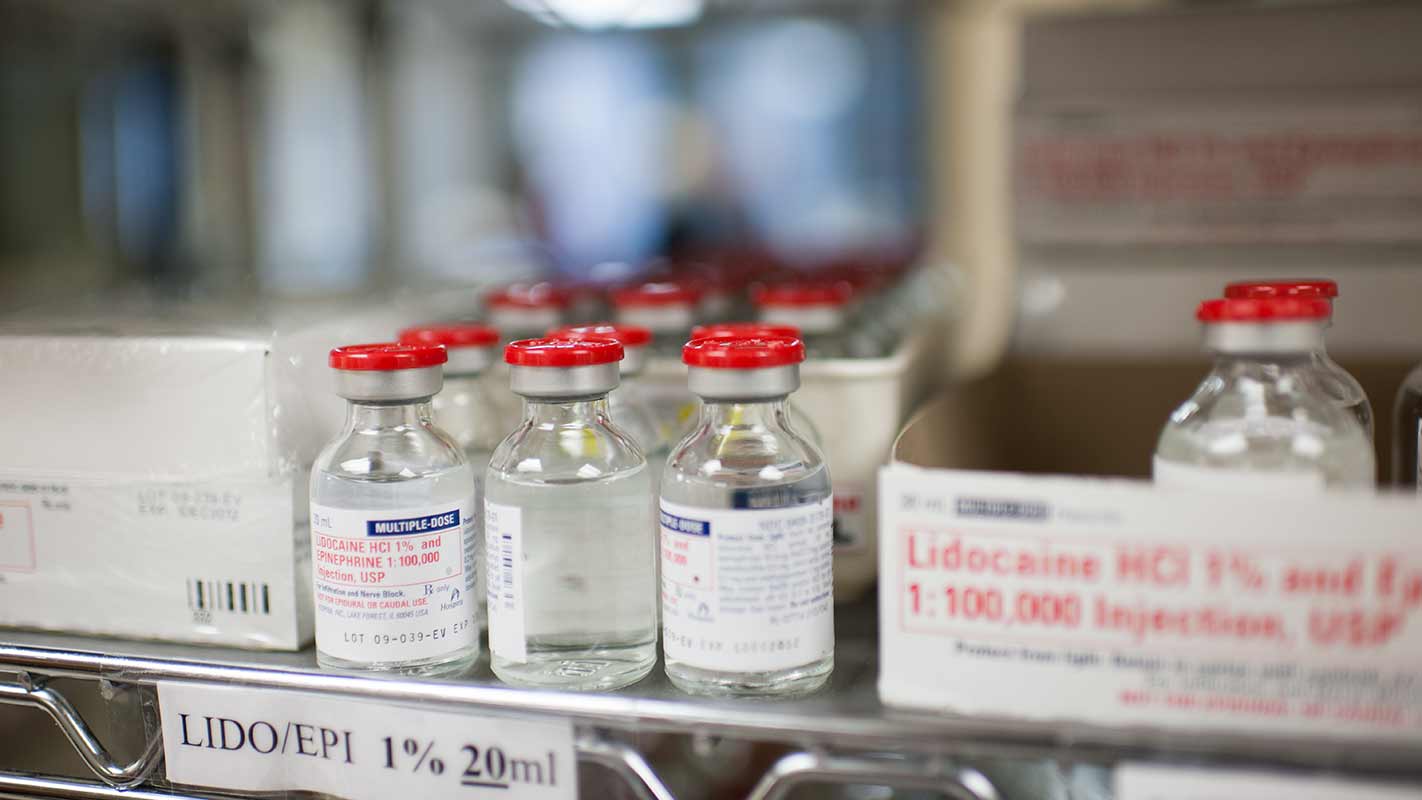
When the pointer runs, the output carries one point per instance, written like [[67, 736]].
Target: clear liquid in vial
[[589, 611], [746, 488]]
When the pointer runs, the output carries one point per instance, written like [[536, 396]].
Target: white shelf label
[[1115, 603], [1152, 782], [259, 740]]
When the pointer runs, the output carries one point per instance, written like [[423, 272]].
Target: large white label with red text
[[394, 585], [1113, 602]]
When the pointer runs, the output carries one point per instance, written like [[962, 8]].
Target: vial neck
[[1264, 340], [576, 411], [365, 415], [766, 413], [811, 320]]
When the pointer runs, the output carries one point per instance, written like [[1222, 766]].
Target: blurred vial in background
[[520, 311], [464, 409], [568, 528], [1261, 420], [628, 402], [526, 310], [314, 174], [587, 302], [667, 308], [1336, 381], [819, 309]]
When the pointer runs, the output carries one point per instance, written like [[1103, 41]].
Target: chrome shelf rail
[[840, 735]]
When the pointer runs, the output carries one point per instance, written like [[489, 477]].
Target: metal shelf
[[846, 717]]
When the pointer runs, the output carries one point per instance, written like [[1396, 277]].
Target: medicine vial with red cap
[[1261, 419], [818, 309], [568, 527], [746, 539], [667, 309], [393, 522], [1335, 381], [465, 409], [526, 310]]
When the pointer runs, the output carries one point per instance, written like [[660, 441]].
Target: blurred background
[[1084, 171]]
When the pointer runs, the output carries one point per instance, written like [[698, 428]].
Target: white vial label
[[1173, 475], [394, 585], [503, 552], [1419, 455], [747, 590]]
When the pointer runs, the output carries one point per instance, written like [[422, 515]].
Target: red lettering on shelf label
[[1116, 603]]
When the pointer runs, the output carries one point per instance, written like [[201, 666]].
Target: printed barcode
[[237, 597]]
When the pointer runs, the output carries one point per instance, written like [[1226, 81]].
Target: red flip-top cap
[[628, 335], [803, 293], [657, 294], [733, 352], [1276, 309], [745, 330], [458, 334], [563, 352], [527, 295], [1297, 287], [385, 356]]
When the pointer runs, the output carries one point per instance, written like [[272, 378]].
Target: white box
[[148, 490], [1117, 603], [153, 474]]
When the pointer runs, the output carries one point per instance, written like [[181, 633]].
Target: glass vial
[[519, 311], [746, 516], [464, 409], [1261, 419], [392, 522], [819, 309], [1407, 433], [526, 310], [1335, 381], [667, 309], [568, 528]]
